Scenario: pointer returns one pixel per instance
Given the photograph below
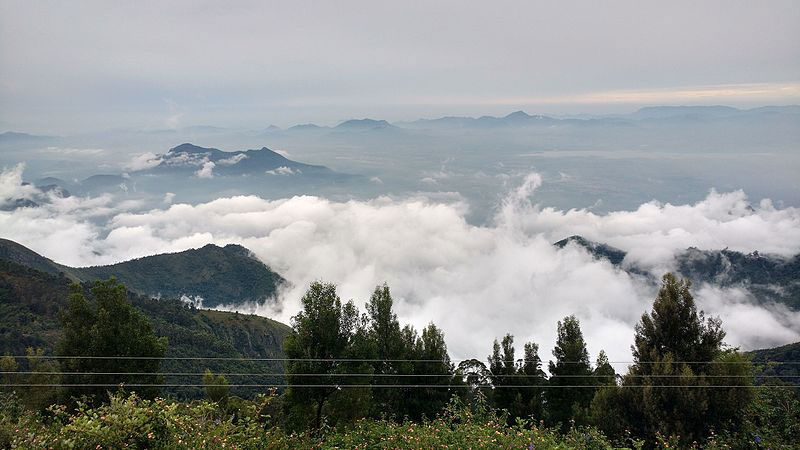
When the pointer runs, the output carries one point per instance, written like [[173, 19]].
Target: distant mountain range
[[769, 278], [669, 114], [15, 138], [363, 124], [709, 112], [646, 115], [228, 275]]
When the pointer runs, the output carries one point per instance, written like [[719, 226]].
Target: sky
[[68, 67]]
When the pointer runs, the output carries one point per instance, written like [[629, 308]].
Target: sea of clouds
[[476, 282]]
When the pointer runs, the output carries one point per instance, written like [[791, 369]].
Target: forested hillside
[[30, 301], [782, 362], [228, 275], [769, 278]]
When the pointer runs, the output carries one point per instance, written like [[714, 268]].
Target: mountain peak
[[189, 148], [229, 275], [363, 124], [518, 115]]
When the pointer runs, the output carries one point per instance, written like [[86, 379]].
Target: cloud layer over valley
[[477, 282]]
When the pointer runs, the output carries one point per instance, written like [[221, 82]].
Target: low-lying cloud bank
[[477, 282]]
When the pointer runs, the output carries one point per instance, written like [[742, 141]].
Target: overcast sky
[[85, 65]]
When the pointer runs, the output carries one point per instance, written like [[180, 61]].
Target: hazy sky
[[86, 65]]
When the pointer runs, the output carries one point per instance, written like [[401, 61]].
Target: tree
[[322, 334], [474, 374], [384, 331], [604, 373], [111, 341], [533, 378], [42, 372], [217, 388], [434, 348], [353, 403], [503, 369], [679, 358], [675, 327], [571, 368], [432, 364], [8, 365], [516, 381]]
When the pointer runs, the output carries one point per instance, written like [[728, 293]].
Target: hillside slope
[[30, 301], [788, 372], [769, 278], [228, 275]]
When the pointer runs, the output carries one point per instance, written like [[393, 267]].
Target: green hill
[[228, 275], [30, 301], [769, 278], [788, 372]]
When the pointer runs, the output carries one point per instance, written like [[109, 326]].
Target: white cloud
[[654, 232], [207, 171], [168, 198], [11, 187], [477, 282], [232, 160], [283, 170], [143, 162], [185, 159], [429, 180], [74, 151], [747, 324]]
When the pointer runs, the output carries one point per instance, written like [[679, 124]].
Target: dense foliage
[[135, 423], [341, 371], [102, 336], [771, 367], [30, 301], [227, 275], [683, 382]]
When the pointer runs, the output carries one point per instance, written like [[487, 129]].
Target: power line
[[386, 375], [226, 358], [397, 386]]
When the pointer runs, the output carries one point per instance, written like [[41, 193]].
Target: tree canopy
[[107, 341]]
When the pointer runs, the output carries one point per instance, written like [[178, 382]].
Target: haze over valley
[[452, 213]]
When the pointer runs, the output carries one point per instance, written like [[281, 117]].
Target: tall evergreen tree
[[101, 332], [571, 368], [533, 378], [433, 363], [503, 369], [674, 327], [604, 373], [678, 360], [385, 332]]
